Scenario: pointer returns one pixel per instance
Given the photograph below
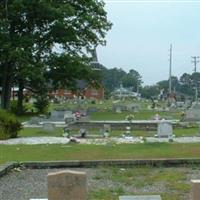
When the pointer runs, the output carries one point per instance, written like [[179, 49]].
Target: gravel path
[[27, 184], [97, 141]]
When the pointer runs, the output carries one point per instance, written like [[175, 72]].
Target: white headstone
[[165, 129]]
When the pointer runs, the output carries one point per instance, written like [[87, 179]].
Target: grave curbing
[[6, 168]]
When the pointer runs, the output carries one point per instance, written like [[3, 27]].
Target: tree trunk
[[6, 86], [20, 98]]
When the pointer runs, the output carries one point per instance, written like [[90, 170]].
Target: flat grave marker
[[140, 197]]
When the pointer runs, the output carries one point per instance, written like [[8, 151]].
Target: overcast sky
[[142, 33]]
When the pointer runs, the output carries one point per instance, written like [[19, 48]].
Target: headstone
[[118, 110], [195, 190], [133, 107], [66, 131], [67, 185], [193, 114], [180, 103], [35, 121], [83, 112], [48, 127], [128, 130], [69, 117], [83, 133], [141, 197], [106, 130], [58, 114], [91, 110], [165, 129]]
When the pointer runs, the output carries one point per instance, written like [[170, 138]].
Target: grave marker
[[193, 114], [165, 129], [48, 127], [195, 190], [140, 197], [67, 185]]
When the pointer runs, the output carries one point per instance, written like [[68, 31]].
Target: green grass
[[173, 182], [93, 152], [37, 132]]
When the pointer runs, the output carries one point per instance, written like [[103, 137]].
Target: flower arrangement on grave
[[130, 117]]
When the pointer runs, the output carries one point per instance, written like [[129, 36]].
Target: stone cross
[[195, 190], [67, 185]]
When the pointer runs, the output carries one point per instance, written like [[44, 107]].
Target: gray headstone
[[91, 110], [48, 127], [164, 129], [141, 197], [193, 114], [118, 110], [35, 121], [69, 117], [133, 107]]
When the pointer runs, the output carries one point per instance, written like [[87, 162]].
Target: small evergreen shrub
[[9, 125], [41, 104]]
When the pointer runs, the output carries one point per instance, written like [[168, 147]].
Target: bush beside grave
[[9, 125], [14, 109], [41, 104]]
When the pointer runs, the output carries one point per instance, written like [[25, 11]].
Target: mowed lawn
[[39, 132], [94, 152]]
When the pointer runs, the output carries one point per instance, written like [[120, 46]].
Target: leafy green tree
[[132, 79], [33, 30], [150, 91], [186, 84]]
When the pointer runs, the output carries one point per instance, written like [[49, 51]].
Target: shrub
[[41, 104], [9, 125], [14, 108]]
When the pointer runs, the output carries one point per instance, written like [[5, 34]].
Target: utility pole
[[195, 60], [170, 70]]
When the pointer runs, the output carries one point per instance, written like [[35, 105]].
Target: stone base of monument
[[140, 197]]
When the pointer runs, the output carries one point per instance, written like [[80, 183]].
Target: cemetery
[[72, 128], [126, 137]]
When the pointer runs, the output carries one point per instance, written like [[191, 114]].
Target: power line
[[195, 60]]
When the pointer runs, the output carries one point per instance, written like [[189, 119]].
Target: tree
[[31, 30], [132, 79], [150, 91], [186, 84]]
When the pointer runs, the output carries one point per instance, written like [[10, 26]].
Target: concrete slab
[[140, 197]]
